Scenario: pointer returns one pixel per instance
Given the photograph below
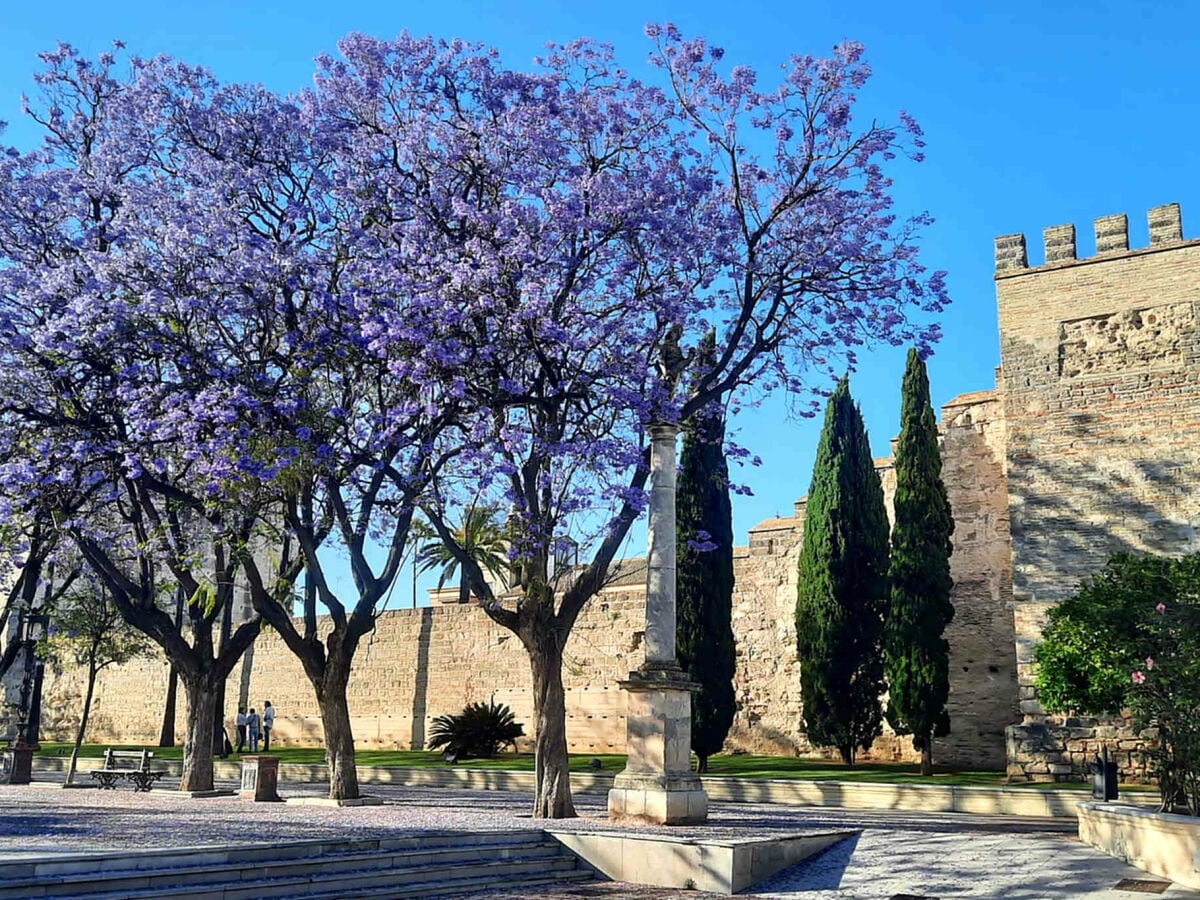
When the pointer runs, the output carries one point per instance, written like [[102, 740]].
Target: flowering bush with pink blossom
[[1165, 690], [1129, 641]]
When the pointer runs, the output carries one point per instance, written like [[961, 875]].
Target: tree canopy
[[842, 586], [249, 320], [917, 654]]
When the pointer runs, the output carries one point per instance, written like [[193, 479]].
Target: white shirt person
[[268, 722]]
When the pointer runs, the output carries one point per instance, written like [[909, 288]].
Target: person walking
[[241, 729], [252, 726], [268, 722]]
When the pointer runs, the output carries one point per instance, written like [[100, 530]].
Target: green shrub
[[1166, 690], [1094, 639], [1130, 638], [478, 732]]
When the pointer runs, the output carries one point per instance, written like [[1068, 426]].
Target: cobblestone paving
[[928, 855]]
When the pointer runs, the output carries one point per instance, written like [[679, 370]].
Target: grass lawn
[[746, 766]]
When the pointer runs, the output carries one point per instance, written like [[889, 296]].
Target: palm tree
[[483, 539]]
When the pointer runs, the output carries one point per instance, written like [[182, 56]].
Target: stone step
[[175, 858], [452, 888], [414, 881], [314, 867]]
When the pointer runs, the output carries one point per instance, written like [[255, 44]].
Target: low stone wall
[[1161, 843], [712, 864], [1062, 749], [927, 798]]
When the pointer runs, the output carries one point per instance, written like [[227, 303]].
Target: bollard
[[1104, 778]]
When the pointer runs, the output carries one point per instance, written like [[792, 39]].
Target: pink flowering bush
[[1095, 639], [1165, 691], [1129, 639]]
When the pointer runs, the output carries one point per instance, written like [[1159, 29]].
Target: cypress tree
[[704, 579], [917, 655], [842, 586]]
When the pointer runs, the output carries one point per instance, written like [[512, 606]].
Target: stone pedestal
[[260, 779], [16, 765], [658, 785]]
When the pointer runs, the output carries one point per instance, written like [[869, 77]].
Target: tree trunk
[[339, 738], [464, 589], [701, 763], [219, 702], [553, 797], [927, 756], [847, 755], [166, 736], [83, 723], [198, 745]]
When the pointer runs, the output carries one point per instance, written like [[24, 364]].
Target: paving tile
[[934, 854]]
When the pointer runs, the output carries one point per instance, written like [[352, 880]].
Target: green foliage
[[1130, 638], [916, 653], [86, 629], [478, 732], [1094, 639], [842, 586], [483, 539], [1166, 692], [704, 579]]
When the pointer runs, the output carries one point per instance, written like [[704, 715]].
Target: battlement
[[1112, 238]]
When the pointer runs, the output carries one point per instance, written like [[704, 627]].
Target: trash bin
[[1104, 778]]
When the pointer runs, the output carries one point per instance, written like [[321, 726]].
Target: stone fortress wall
[[1102, 402], [1087, 445], [423, 663], [982, 670]]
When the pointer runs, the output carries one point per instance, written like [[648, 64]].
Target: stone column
[[658, 785], [660, 556]]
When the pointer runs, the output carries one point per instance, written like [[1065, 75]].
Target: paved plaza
[[916, 854]]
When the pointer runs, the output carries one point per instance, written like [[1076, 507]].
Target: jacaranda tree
[[704, 574], [591, 228], [431, 280], [94, 437], [842, 586], [916, 652], [257, 399], [28, 546]]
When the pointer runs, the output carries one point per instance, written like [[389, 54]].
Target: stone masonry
[[1089, 444], [1102, 405], [423, 663], [983, 668]]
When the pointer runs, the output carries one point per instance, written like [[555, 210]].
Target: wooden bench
[[133, 765]]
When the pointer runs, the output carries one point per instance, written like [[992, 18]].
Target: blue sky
[[1035, 114]]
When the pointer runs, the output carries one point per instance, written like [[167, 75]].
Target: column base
[[658, 786], [260, 779], [17, 765], [658, 799]]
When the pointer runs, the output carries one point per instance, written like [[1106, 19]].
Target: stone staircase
[[426, 866]]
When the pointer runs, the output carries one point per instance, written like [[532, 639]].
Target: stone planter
[[1161, 843]]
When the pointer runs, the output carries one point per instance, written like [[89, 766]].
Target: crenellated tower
[[1101, 393]]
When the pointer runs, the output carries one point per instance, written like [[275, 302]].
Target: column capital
[[663, 431]]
